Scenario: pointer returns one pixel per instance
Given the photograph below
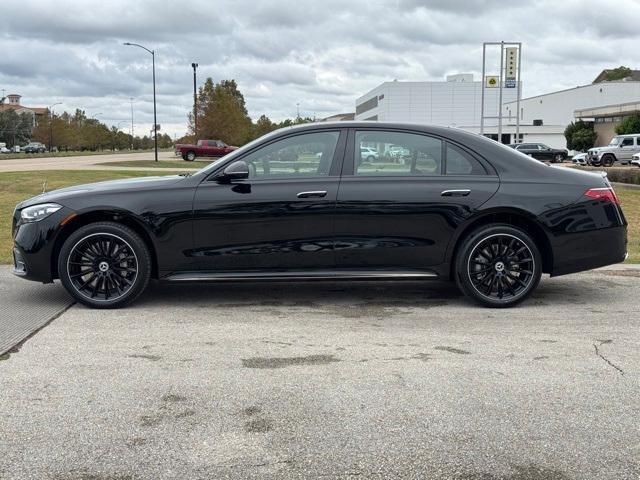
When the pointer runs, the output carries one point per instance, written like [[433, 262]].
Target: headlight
[[36, 213]]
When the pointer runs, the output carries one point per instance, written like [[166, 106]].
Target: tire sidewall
[[136, 243], [462, 259], [190, 156]]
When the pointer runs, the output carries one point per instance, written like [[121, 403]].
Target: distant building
[[605, 119], [455, 102], [595, 102], [12, 102], [340, 117]]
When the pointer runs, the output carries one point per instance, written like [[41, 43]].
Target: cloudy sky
[[322, 54]]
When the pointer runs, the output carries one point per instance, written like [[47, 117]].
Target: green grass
[[9, 156], [17, 186], [197, 164]]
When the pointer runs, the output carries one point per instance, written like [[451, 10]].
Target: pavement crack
[[611, 364]]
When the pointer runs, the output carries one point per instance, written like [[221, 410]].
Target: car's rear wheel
[[558, 158], [190, 156], [104, 265], [498, 266]]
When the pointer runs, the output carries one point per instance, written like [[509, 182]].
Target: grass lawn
[[17, 186], [9, 156], [196, 164]]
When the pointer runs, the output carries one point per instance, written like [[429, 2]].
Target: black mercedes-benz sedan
[[304, 203]]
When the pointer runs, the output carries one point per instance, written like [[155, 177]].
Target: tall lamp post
[[51, 124], [195, 102], [155, 122]]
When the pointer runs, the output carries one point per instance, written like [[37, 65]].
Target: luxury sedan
[[302, 203]]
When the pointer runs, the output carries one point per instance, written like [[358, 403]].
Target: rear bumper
[[576, 252]]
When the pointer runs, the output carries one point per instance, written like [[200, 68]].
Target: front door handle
[[455, 193], [315, 193]]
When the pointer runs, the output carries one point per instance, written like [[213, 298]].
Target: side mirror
[[236, 171]]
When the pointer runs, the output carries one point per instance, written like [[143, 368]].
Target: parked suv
[[34, 147], [620, 149], [540, 151]]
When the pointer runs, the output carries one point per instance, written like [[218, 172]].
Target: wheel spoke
[[116, 280], [501, 266]]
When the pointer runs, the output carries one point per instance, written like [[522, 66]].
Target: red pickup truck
[[204, 148]]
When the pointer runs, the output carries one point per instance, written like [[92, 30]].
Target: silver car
[[620, 149], [635, 159]]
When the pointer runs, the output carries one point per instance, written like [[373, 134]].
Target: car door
[[400, 213], [626, 150], [282, 216]]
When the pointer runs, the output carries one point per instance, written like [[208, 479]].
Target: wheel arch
[[509, 216], [120, 217]]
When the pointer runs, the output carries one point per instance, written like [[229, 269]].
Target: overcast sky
[[320, 53]]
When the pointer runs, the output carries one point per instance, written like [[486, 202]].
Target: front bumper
[[34, 246]]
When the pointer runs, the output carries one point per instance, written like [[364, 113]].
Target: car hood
[[110, 186]]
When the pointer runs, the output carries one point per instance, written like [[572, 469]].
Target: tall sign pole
[[500, 86], [509, 77], [484, 56]]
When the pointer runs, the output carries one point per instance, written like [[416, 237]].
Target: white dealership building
[[456, 102]]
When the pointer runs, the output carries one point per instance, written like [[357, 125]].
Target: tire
[[607, 160], [104, 265], [190, 156], [498, 266], [370, 158], [558, 158]]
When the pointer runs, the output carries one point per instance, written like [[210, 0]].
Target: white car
[[4, 150], [579, 159], [368, 154], [635, 159]]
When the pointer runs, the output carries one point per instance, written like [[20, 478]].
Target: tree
[[222, 114], [15, 128], [580, 136], [629, 124], [263, 126], [618, 73]]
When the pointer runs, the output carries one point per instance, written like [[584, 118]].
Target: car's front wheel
[[104, 265], [190, 156], [498, 266]]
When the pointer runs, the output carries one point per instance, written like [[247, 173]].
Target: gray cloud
[[322, 55]]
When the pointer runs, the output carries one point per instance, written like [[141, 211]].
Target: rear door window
[[389, 153]]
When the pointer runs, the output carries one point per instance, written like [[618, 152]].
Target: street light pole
[[155, 121], [195, 103], [51, 124]]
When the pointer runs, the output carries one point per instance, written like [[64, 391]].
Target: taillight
[[607, 194]]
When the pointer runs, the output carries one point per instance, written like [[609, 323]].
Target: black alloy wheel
[[498, 266], [104, 265]]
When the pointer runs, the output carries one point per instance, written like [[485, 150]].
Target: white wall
[[434, 103], [557, 108]]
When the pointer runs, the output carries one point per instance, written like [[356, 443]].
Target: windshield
[[615, 141]]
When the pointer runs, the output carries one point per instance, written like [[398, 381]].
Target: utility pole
[[297, 110], [51, 124], [155, 121], [195, 103], [131, 100]]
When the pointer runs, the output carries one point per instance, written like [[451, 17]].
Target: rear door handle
[[314, 193], [455, 193]]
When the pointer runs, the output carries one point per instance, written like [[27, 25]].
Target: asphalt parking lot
[[328, 380]]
